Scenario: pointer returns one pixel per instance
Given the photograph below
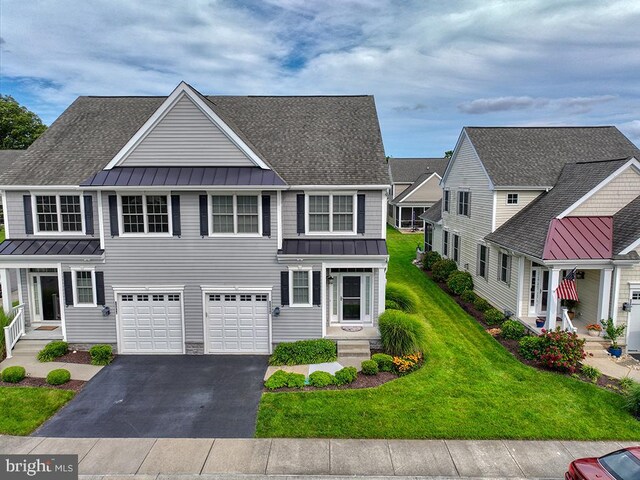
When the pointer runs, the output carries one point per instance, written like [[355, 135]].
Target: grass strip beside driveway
[[23, 409], [469, 388]]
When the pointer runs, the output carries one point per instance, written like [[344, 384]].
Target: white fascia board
[[632, 162], [463, 134], [338, 187], [33, 261], [370, 261], [420, 186], [522, 188], [631, 247], [161, 112]]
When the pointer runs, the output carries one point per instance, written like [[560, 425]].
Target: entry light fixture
[[626, 307], [330, 279]]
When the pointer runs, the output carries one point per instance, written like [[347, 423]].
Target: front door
[[45, 298], [351, 298], [539, 291]]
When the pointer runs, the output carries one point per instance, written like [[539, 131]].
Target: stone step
[[597, 353], [596, 346], [29, 346]]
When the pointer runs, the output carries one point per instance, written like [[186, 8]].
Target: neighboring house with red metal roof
[[415, 187], [523, 206]]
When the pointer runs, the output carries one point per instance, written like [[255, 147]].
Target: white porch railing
[[15, 329], [567, 324]]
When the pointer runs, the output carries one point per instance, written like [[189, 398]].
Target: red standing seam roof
[[579, 238]]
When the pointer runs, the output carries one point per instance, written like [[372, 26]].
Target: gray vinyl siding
[[14, 216], [185, 136], [374, 199]]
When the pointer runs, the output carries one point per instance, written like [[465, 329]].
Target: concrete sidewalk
[[35, 368], [148, 458]]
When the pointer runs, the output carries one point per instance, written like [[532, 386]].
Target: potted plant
[[594, 329], [571, 307], [540, 321], [613, 332]]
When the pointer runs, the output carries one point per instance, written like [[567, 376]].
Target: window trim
[[74, 283], [460, 204], [309, 271], [146, 232], [235, 195], [34, 209], [517, 196], [354, 229]]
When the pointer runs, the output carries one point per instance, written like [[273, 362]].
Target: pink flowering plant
[[558, 350]]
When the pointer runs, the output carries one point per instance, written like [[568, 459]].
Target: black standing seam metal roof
[[181, 176], [364, 246], [50, 247]]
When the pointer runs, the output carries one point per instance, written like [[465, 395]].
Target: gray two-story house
[[200, 224]]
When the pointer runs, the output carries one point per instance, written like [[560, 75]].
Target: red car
[[619, 465]]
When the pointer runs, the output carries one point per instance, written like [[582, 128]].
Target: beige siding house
[[523, 206]]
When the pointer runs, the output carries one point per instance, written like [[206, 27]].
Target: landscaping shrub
[[429, 258], [346, 375], [443, 268], [493, 316], [296, 380], [369, 367], [468, 296], [53, 350], [13, 374], [101, 354], [626, 383], [512, 330], [592, 373], [403, 296], [5, 320], [401, 333], [481, 304], [391, 305], [530, 347], [459, 282], [560, 350], [632, 399], [407, 363], [58, 376], [303, 352], [384, 361], [277, 380], [321, 379]]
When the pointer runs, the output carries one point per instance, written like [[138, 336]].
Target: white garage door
[[150, 323], [237, 323], [634, 322]]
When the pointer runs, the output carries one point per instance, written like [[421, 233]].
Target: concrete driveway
[[166, 396]]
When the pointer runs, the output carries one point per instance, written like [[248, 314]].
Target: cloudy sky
[[433, 66]]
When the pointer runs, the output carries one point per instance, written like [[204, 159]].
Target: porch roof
[[365, 246], [18, 247], [579, 238]]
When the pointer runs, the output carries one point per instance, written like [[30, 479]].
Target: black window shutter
[[100, 288], [300, 212], [204, 216], [113, 215], [266, 215], [361, 212], [175, 215], [88, 214], [28, 215], [68, 289], [284, 288], [316, 288]]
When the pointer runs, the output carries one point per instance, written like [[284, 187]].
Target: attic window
[[512, 199]]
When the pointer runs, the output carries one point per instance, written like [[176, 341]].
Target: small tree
[[19, 127], [612, 332]]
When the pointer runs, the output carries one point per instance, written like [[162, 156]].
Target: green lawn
[[26, 408], [470, 387]]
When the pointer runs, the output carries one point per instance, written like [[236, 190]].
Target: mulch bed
[[361, 381], [78, 356], [513, 346], [75, 385]]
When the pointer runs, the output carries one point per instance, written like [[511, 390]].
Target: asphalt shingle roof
[[407, 170], [526, 231], [433, 214], [535, 156], [8, 158], [333, 140], [626, 226]]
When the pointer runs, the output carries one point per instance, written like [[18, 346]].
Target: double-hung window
[[235, 214], [331, 213], [58, 213], [463, 202], [145, 214], [456, 248], [300, 287], [445, 243], [428, 237], [84, 291], [446, 200], [483, 260], [504, 268]]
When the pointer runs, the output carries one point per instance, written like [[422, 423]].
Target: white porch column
[[604, 302], [400, 218], [552, 302], [5, 281]]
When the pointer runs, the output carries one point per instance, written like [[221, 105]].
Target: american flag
[[567, 289]]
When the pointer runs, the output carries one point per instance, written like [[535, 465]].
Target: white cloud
[[503, 104]]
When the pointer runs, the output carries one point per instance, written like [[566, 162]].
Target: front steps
[[596, 347], [28, 347], [351, 353]]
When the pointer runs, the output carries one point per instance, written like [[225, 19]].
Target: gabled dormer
[[186, 130]]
